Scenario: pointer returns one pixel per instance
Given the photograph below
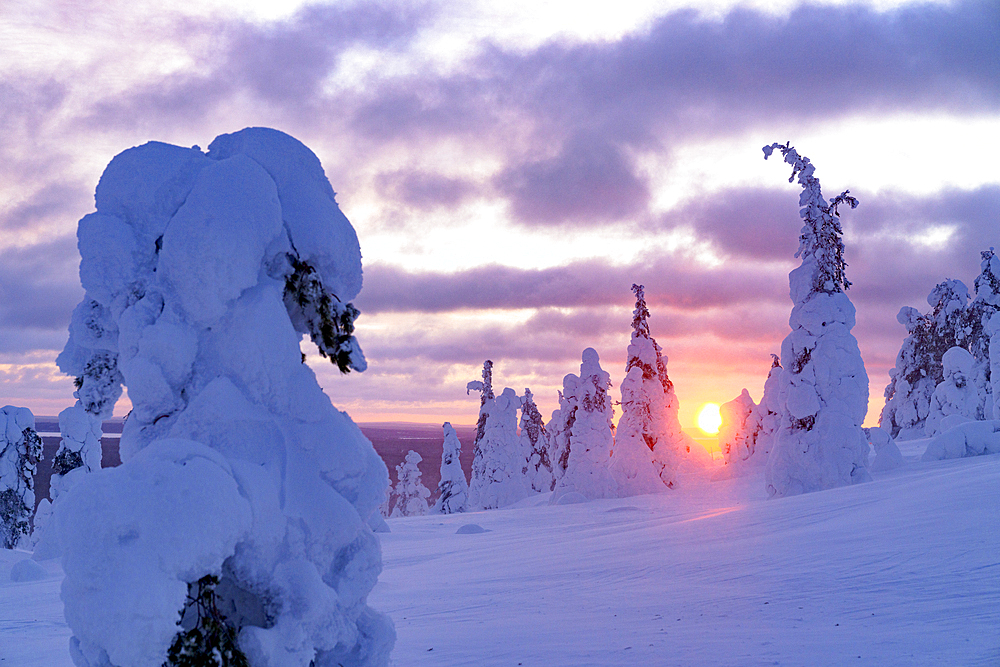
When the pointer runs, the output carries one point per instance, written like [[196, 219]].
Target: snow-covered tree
[[535, 442], [202, 274], [20, 452], [498, 470], [632, 464], [824, 386], [887, 454], [485, 389], [453, 490], [411, 494], [590, 437], [559, 429], [649, 411], [978, 315], [956, 394], [739, 430], [919, 367]]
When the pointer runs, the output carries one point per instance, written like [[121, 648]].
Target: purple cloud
[[424, 190], [589, 181]]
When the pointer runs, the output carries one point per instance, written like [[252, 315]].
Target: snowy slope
[[901, 571]]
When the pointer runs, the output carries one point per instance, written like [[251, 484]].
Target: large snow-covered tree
[[411, 494], [535, 442], [453, 490], [824, 386], [590, 438], [919, 367], [20, 452], [498, 476], [649, 437], [203, 271]]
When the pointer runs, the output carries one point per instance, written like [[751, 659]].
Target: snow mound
[[967, 439], [27, 570], [470, 529]]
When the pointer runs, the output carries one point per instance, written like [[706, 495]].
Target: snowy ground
[[902, 571]]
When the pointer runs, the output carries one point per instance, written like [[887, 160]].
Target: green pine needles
[[212, 641], [330, 323]]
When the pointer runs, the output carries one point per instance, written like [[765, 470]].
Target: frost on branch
[[453, 490], [202, 273], [824, 386], [20, 452]]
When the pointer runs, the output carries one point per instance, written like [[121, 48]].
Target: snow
[[707, 574], [453, 489]]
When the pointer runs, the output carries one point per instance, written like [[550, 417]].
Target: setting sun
[[709, 419]]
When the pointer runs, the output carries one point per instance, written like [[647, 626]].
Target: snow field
[[901, 571]]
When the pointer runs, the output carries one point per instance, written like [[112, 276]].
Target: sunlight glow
[[709, 419]]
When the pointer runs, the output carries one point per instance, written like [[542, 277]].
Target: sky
[[513, 168]]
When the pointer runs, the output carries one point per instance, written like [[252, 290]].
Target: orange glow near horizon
[[709, 419]]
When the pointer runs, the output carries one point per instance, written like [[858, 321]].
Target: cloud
[[37, 285], [590, 181], [423, 190], [668, 282]]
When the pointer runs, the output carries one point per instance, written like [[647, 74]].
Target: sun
[[709, 419]]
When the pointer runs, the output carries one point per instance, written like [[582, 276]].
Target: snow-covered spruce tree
[[453, 490], [662, 432], [20, 452], [411, 494], [824, 386], [535, 442], [649, 410], [919, 367], [739, 430], [955, 394], [984, 306], [485, 389], [498, 470], [206, 271], [559, 428], [632, 464], [590, 438]]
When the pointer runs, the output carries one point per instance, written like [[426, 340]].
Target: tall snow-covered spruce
[[202, 273], [646, 450], [824, 386]]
